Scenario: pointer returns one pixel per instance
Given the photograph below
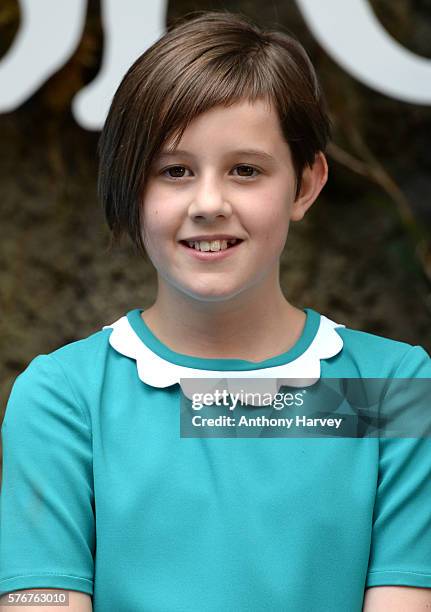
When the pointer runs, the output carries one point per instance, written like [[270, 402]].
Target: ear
[[313, 181]]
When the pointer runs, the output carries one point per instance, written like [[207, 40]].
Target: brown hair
[[205, 59]]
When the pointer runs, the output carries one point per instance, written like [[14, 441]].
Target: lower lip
[[211, 255]]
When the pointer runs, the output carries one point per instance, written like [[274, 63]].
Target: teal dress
[[101, 493]]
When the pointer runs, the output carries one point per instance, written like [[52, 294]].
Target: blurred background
[[361, 256]]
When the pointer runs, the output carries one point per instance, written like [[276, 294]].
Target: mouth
[[207, 256], [230, 244]]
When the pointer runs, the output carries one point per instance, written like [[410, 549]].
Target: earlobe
[[313, 180]]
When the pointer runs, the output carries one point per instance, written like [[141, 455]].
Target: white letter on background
[[51, 30], [49, 33], [351, 33], [130, 26]]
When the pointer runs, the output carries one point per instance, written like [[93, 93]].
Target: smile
[[212, 255]]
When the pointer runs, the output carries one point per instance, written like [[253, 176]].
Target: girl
[[213, 145]]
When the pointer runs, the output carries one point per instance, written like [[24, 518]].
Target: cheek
[[275, 240], [160, 210], [272, 219], [159, 228], [149, 224], [152, 214]]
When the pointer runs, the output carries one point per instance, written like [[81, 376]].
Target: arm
[[399, 569], [47, 521], [397, 599], [78, 602]]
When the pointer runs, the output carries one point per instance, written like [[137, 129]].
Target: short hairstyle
[[205, 59]]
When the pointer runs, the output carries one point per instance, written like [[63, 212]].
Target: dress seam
[[45, 574], [83, 412], [399, 571]]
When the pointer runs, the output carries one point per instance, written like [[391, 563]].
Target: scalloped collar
[[131, 337]]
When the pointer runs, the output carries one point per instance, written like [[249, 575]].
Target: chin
[[213, 294]]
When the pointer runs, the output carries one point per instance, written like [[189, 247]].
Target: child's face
[[213, 188]]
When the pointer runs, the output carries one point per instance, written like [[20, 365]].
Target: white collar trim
[[155, 371]]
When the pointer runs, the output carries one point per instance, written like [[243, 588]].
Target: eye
[[177, 172], [248, 170]]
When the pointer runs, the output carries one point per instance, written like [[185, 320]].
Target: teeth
[[214, 245]]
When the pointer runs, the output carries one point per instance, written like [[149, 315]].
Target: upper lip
[[209, 238]]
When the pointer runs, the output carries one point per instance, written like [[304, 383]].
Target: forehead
[[240, 126]]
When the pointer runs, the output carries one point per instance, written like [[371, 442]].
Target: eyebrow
[[251, 152]]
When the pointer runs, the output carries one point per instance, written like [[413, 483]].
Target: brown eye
[[246, 171], [175, 171]]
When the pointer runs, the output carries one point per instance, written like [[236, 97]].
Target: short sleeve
[[47, 526], [401, 533]]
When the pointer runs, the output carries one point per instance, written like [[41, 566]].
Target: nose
[[208, 201]]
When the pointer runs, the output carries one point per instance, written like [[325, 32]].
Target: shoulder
[[85, 356], [372, 355], [70, 376]]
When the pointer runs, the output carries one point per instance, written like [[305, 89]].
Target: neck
[[254, 326]]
